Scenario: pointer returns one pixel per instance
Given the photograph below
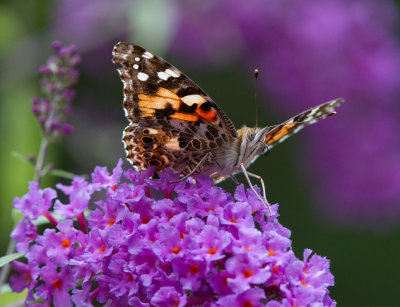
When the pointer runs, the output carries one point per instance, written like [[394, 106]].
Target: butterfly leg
[[207, 155], [262, 199], [231, 176], [262, 183], [234, 179]]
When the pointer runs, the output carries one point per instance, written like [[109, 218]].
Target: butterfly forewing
[[155, 88]]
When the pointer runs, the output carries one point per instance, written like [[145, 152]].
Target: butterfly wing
[[172, 121], [298, 122]]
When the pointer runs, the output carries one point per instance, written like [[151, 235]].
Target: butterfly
[[175, 124]]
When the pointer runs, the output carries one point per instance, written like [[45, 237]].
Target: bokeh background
[[337, 183]]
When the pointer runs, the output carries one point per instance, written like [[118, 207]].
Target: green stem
[[6, 269], [41, 158], [64, 174]]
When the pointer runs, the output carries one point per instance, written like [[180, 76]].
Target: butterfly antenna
[[255, 93]]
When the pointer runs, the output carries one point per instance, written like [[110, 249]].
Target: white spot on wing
[[147, 55], [297, 129], [172, 73], [283, 138], [152, 131], [162, 75], [142, 76], [135, 66], [313, 111], [137, 59], [192, 99], [172, 145]]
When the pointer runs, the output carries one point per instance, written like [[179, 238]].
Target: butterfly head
[[252, 144]]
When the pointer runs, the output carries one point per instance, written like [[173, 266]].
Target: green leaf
[[8, 258], [8, 297]]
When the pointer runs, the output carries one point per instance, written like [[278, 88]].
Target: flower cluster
[[158, 243], [58, 76]]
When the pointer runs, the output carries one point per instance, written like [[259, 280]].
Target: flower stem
[[41, 158], [6, 269]]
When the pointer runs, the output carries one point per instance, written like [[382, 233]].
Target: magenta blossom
[[198, 245]]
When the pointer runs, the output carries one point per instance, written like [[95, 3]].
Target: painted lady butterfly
[[173, 123]]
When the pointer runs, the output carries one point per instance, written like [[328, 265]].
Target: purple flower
[[104, 179], [26, 279], [24, 234], [251, 297], [79, 195], [245, 271], [58, 76], [61, 245], [56, 285], [36, 202], [168, 296], [198, 246]]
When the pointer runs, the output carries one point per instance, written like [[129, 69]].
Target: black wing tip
[[123, 44], [119, 46], [124, 51]]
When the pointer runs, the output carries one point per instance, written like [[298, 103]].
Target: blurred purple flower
[[58, 76], [313, 51], [88, 23], [140, 251]]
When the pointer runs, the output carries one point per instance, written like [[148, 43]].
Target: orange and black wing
[[154, 89], [281, 132], [173, 123]]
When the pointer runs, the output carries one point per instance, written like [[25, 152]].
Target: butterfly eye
[[266, 150], [249, 136]]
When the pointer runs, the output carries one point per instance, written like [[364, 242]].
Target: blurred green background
[[363, 259]]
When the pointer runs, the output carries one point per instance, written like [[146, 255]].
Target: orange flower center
[[102, 249], [111, 221], [248, 273], [212, 251], [57, 284], [270, 252], [175, 250], [66, 243], [194, 269]]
